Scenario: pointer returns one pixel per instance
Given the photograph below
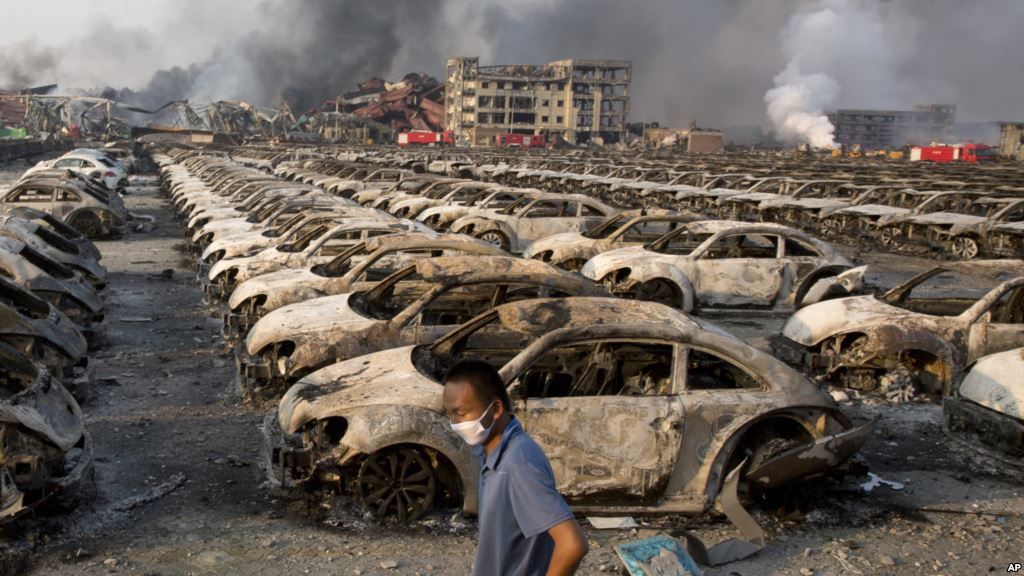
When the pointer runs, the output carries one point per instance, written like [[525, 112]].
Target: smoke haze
[[715, 62]]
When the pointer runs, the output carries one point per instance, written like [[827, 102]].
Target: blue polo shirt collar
[[511, 429]]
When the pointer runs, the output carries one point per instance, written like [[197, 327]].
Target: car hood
[[275, 283], [600, 265], [57, 329], [753, 197], [295, 321], [48, 409], [814, 323], [269, 259], [238, 244], [807, 203], [557, 242], [995, 383], [388, 377], [874, 210], [945, 219]]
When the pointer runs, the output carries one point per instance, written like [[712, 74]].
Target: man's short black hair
[[484, 379]]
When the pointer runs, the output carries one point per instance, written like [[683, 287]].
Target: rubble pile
[[413, 103]]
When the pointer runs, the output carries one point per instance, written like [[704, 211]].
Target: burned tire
[[828, 228], [87, 223], [495, 238], [889, 237], [964, 248], [397, 482], [660, 291]]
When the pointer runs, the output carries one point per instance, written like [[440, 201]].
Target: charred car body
[[639, 408]]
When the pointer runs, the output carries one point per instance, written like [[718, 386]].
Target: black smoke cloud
[[692, 59]]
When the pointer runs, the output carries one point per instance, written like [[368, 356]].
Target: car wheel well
[[814, 277], [449, 489], [761, 440]]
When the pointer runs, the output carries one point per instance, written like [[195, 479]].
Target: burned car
[[42, 333], [989, 404], [369, 261], [300, 226], [92, 212], [86, 247], [639, 408], [492, 200], [457, 193], [416, 304], [968, 238], [42, 238], [571, 250], [722, 264], [1006, 240], [531, 218], [318, 246], [916, 337], [50, 280], [46, 451], [956, 232]]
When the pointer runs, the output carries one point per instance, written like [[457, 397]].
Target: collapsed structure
[[892, 128], [577, 100]]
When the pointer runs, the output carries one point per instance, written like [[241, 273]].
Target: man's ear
[[499, 409]]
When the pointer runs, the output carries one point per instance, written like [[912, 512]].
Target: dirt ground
[[179, 488]]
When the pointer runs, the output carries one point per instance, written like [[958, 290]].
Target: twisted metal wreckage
[[372, 113]]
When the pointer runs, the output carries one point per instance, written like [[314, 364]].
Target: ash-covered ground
[[179, 488]]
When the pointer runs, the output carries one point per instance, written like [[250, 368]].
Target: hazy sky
[[43, 20], [707, 60]]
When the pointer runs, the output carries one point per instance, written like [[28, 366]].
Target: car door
[[607, 415], [738, 271], [716, 394], [590, 217], [1000, 327], [799, 259], [65, 202], [545, 218]]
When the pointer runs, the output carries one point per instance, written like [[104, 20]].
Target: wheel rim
[[889, 236], [399, 483], [965, 248], [827, 228], [493, 238], [657, 291]]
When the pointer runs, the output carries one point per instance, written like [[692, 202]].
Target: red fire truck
[[425, 138], [512, 140], [954, 153]]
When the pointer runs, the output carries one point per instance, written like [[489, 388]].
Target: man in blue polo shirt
[[525, 526]]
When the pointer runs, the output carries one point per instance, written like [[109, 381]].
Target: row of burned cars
[[51, 282], [348, 287], [954, 219]]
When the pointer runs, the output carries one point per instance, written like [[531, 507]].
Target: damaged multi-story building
[[893, 128], [577, 100]]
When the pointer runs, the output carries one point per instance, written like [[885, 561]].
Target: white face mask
[[472, 431]]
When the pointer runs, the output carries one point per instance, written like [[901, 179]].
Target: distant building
[[694, 140], [578, 100], [1011, 140], [892, 128]]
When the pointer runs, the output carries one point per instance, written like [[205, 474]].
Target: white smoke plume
[[795, 106], [796, 103]]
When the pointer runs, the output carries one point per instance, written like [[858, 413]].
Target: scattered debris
[[874, 481]]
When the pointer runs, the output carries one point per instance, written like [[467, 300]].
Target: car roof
[[540, 316], [479, 268]]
